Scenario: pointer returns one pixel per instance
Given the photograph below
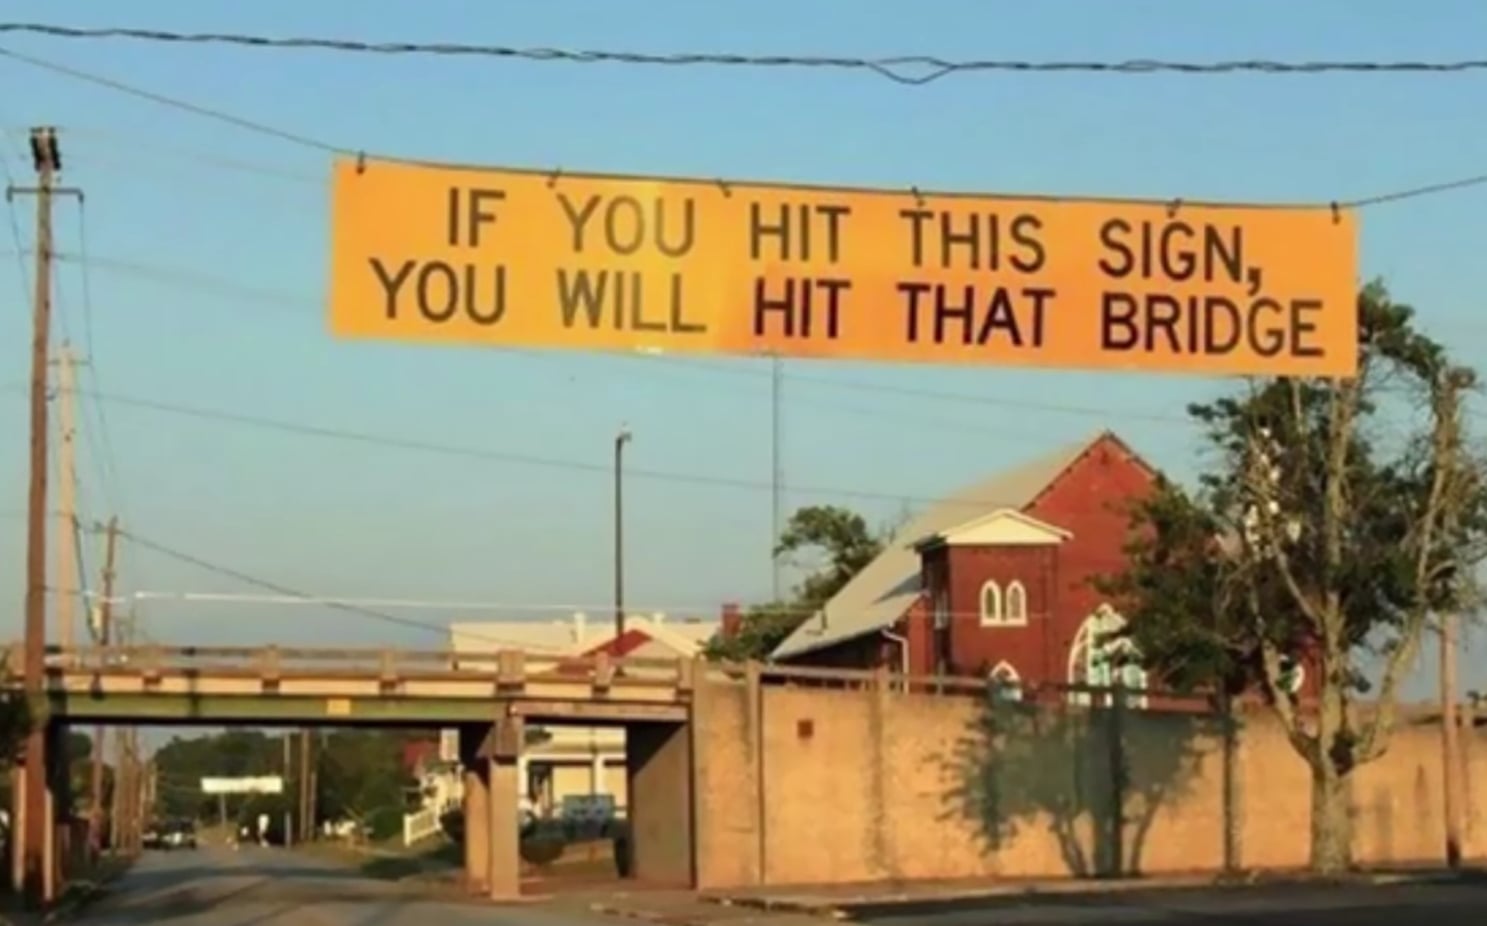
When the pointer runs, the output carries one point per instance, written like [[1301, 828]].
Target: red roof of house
[[621, 646], [418, 752]]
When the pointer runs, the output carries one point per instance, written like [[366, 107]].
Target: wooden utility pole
[[1455, 798], [306, 789], [148, 788], [124, 773], [105, 634], [68, 581], [33, 803]]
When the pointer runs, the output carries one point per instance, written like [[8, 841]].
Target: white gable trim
[[1004, 527]]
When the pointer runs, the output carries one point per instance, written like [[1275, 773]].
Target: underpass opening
[[594, 803]]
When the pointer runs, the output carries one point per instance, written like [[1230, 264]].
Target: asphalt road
[[268, 887], [1439, 905]]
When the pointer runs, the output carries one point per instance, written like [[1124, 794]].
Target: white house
[[562, 761]]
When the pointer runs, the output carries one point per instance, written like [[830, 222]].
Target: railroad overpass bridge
[[488, 698]]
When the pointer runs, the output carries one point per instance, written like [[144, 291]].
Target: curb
[[86, 894], [646, 916], [849, 908], [830, 911], [79, 902]]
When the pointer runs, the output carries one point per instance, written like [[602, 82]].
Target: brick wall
[[869, 785]]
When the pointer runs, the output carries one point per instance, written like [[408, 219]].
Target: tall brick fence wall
[[815, 786]]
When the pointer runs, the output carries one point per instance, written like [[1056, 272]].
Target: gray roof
[[880, 594]]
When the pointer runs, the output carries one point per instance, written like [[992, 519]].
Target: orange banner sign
[[524, 259]]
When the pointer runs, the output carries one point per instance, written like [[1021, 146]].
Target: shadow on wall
[[1069, 768]]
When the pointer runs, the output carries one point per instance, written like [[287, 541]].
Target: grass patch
[[390, 862], [396, 867]]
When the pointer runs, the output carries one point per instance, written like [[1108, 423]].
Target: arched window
[[1006, 684], [1101, 656], [991, 603], [1016, 603]]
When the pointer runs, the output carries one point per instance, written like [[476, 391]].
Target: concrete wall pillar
[[659, 767], [477, 834], [477, 810], [504, 829]]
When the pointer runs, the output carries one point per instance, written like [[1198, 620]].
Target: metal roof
[[880, 594]]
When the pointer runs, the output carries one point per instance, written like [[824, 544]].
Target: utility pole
[[124, 772], [306, 789], [777, 474], [68, 581], [47, 159], [105, 619], [620, 440], [1455, 798], [148, 789], [289, 837]]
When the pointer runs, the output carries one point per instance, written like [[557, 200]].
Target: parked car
[[180, 834], [170, 834]]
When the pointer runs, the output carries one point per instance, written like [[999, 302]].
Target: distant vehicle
[[171, 834], [181, 834]]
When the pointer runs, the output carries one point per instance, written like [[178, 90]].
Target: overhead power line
[[904, 69], [278, 589], [646, 610], [205, 112], [306, 141], [499, 456]]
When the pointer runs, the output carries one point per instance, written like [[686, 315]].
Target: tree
[[183, 762], [841, 538], [840, 544], [15, 712], [360, 776], [760, 629], [1320, 536]]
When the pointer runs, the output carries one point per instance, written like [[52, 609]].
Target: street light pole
[[620, 440]]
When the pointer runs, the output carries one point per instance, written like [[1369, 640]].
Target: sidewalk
[[843, 902], [685, 908]]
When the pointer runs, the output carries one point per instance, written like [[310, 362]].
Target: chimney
[[732, 620]]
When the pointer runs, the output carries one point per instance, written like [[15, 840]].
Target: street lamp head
[[624, 435]]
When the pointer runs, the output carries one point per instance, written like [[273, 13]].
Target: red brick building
[[997, 579]]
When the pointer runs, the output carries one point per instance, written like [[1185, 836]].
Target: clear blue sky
[[225, 312]]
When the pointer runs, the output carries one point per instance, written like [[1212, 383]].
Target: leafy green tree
[[15, 715], [839, 544], [361, 778], [1321, 533], [760, 629], [183, 762]]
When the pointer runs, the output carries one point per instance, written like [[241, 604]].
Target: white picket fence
[[420, 825]]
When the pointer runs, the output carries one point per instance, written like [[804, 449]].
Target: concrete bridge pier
[[491, 756]]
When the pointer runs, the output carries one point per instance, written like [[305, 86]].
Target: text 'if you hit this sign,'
[[523, 259]]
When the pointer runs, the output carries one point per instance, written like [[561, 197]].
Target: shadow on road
[[160, 888]]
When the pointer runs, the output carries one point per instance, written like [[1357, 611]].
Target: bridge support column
[[505, 829], [477, 810]]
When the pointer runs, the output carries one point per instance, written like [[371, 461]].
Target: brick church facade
[[997, 580]]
